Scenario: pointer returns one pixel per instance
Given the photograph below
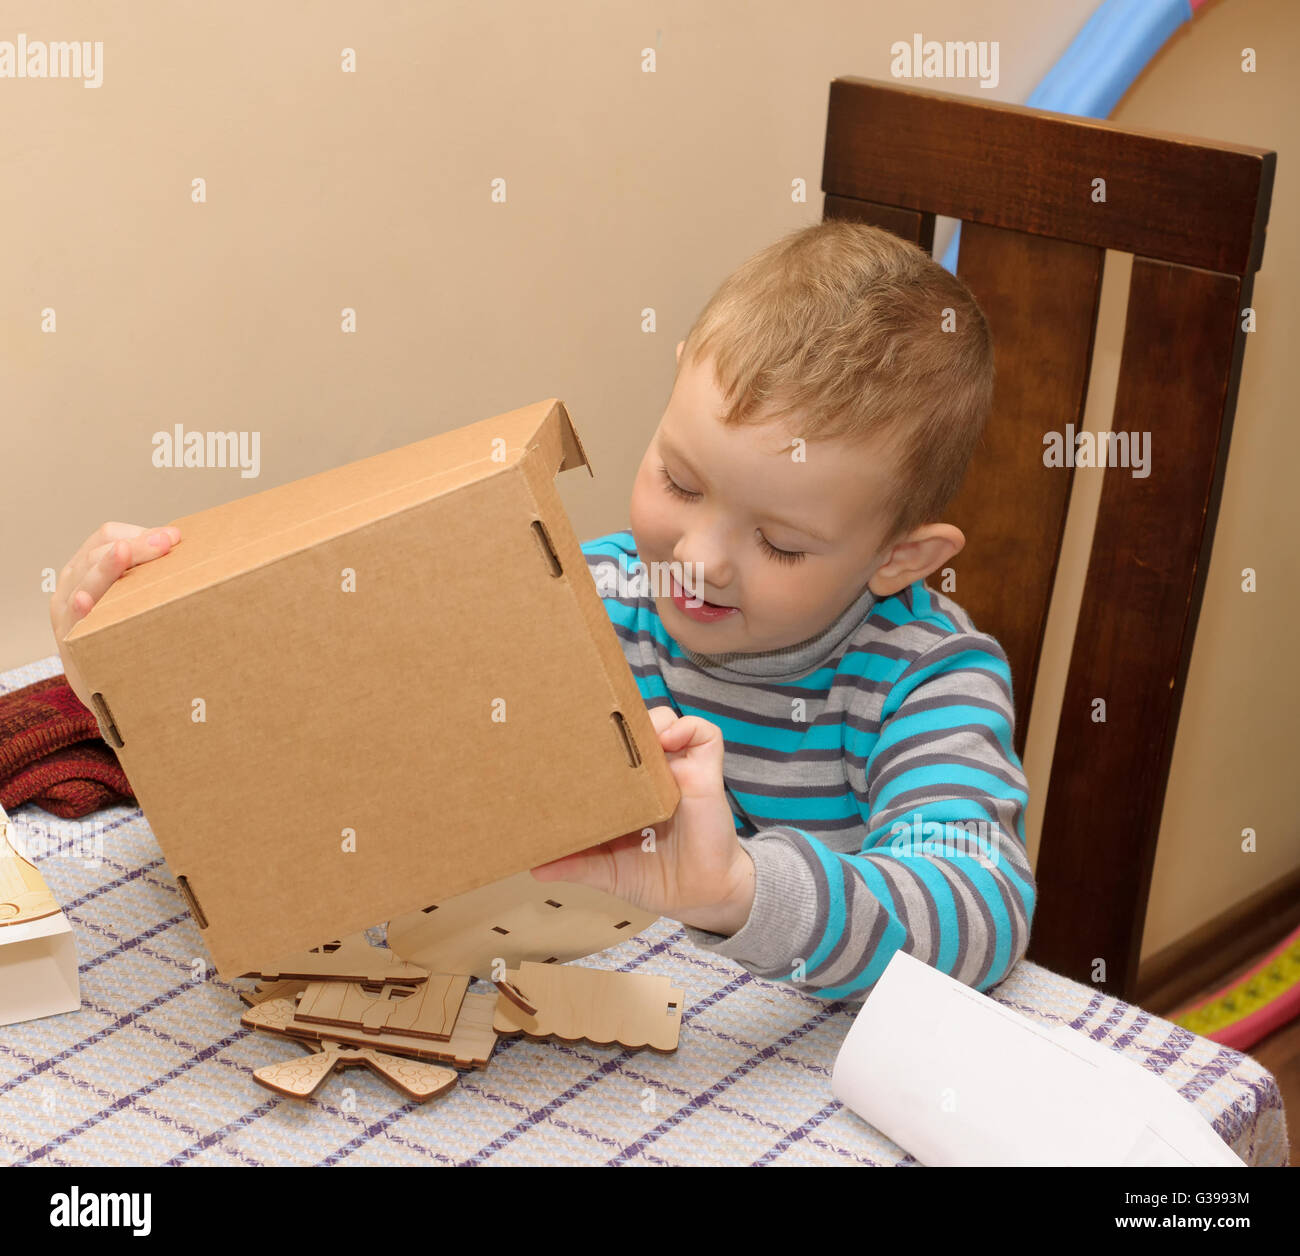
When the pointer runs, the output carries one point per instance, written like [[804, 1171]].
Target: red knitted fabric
[[51, 753]]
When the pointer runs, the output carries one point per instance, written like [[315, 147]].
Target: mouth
[[706, 613]]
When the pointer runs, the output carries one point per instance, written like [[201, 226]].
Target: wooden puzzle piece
[[518, 918], [470, 1046], [516, 996], [593, 1004], [301, 1078], [347, 959], [274, 1016], [24, 896], [429, 1011], [272, 990]]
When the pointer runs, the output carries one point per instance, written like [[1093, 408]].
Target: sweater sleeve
[[942, 873]]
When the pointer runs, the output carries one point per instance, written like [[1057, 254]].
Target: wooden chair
[[1193, 213]]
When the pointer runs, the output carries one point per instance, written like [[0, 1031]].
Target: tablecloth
[[156, 1069]]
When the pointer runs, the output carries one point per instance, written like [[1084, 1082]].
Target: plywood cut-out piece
[[347, 959], [593, 1004], [272, 990], [301, 1078], [428, 1011], [513, 920], [470, 1046], [516, 996], [273, 1016]]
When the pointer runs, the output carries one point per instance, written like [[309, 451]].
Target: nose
[[704, 546]]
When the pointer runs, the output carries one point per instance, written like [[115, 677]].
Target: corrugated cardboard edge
[[625, 696], [524, 428]]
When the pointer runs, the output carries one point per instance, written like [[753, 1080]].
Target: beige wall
[[625, 190]]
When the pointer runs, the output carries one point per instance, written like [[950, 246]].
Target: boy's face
[[750, 489]]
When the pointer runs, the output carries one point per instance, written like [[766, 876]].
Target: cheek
[[646, 511]]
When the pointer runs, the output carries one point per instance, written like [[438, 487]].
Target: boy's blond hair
[[863, 335]]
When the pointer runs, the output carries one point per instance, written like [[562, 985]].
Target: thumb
[[695, 750]]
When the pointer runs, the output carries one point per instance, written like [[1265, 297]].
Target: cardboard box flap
[[235, 537], [409, 692]]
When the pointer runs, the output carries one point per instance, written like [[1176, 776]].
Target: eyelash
[[780, 555]]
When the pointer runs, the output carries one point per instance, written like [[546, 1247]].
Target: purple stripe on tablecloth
[[602, 1070], [134, 875], [1236, 1116], [1166, 1054], [1094, 1002], [186, 1154], [795, 1135], [1115, 1015], [83, 1084], [1224, 1061], [21, 823], [129, 944], [708, 1096], [657, 948], [375, 1127], [539, 1114], [125, 1019], [127, 1100], [1140, 1022]]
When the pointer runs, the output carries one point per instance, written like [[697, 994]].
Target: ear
[[679, 349]]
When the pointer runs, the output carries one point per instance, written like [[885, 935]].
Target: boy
[[840, 733], [831, 721]]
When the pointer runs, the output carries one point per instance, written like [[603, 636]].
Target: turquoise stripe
[[939, 721], [778, 809], [937, 779], [976, 658], [894, 937], [741, 735], [940, 811], [874, 667]]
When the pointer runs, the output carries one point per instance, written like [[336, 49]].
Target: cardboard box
[[38, 953], [357, 694]]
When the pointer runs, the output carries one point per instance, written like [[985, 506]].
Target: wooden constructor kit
[[405, 1011]]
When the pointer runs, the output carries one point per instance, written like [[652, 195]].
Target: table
[[156, 1069]]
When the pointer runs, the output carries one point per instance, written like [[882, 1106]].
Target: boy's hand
[[697, 871], [104, 556]]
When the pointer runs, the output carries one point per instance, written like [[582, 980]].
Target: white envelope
[[956, 1079]]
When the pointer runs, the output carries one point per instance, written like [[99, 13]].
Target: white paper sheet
[[955, 1079]]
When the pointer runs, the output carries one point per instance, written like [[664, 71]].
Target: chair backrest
[[1041, 196]]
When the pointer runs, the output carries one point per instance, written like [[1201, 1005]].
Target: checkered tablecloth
[[156, 1069]]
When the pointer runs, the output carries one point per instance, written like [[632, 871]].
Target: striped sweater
[[871, 776]]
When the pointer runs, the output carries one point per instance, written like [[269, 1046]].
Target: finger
[[663, 717], [696, 757], [106, 564], [115, 560], [584, 867], [90, 552], [688, 733]]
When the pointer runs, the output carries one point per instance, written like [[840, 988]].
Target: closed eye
[[673, 487], [778, 555]]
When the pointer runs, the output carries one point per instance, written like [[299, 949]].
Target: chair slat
[[1040, 297], [1146, 574]]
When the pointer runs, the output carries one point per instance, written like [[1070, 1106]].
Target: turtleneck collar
[[792, 661]]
